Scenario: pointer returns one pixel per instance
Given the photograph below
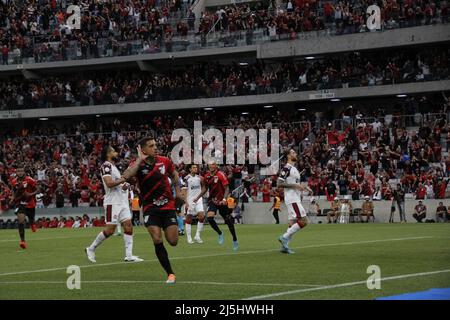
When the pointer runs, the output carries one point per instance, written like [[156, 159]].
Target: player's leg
[[21, 220], [188, 228], [200, 223], [229, 220], [31, 214], [212, 209], [180, 222], [111, 224], [155, 222], [298, 220]]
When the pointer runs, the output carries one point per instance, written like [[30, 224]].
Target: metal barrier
[[193, 41]]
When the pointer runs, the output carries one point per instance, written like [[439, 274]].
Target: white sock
[[188, 230], [291, 231], [128, 240], [119, 229], [100, 238], [199, 229]]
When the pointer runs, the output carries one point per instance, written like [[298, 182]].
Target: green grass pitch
[[330, 262]]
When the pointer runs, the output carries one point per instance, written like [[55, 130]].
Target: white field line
[[63, 237], [163, 282], [347, 284], [218, 255]]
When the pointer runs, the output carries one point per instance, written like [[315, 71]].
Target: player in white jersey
[[117, 207], [194, 202], [289, 179]]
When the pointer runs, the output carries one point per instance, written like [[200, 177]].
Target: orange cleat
[[33, 228], [23, 244], [171, 279]]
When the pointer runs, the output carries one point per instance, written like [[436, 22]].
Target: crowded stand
[[34, 32], [361, 153], [215, 79]]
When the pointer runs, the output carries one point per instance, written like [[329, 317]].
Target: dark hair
[[189, 166], [286, 152], [105, 152], [144, 141]]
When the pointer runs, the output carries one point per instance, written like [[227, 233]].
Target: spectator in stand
[[441, 213], [420, 211], [330, 190], [421, 191]]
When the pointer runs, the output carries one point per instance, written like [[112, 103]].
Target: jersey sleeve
[[170, 168], [106, 169], [284, 173], [32, 184], [223, 178]]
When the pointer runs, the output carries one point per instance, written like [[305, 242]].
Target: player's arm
[[34, 192], [204, 189], [110, 183], [132, 170], [282, 184]]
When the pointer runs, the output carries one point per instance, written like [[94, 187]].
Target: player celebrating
[[24, 197], [194, 204], [152, 173], [217, 184], [117, 207], [289, 179]]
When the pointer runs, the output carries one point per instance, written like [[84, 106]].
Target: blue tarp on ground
[[432, 294]]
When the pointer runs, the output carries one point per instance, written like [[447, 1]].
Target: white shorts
[[117, 213], [296, 211], [194, 209]]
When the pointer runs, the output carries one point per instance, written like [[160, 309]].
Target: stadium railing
[[193, 41]]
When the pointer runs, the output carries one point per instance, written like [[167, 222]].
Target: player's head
[[291, 155], [20, 171], [193, 169], [148, 146], [108, 153], [212, 166]]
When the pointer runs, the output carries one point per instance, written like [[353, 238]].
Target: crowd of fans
[[209, 80], [367, 157], [62, 222], [39, 29]]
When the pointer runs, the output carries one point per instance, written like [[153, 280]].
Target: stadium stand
[[36, 32]]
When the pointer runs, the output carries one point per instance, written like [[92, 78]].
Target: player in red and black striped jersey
[[152, 173], [24, 199], [217, 184]]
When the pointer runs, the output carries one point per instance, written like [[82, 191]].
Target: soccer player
[[195, 185], [217, 184], [152, 173], [24, 197], [289, 179], [117, 207]]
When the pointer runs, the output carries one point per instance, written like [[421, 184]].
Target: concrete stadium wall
[[258, 212], [252, 100], [314, 45]]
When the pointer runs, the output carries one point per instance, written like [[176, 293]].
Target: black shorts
[[275, 211], [29, 212], [223, 210], [160, 218]]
